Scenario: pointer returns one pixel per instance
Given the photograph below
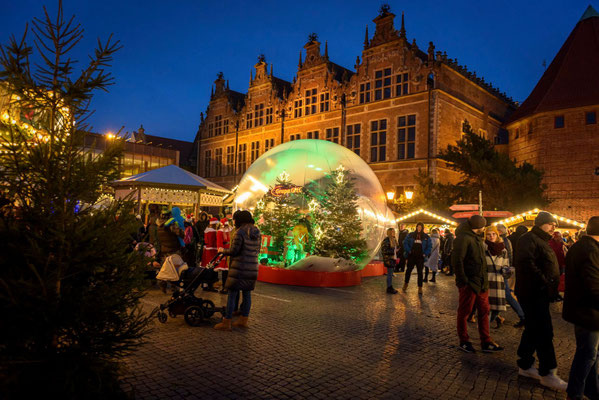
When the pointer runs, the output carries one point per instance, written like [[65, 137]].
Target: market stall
[[429, 219], [171, 186], [528, 218]]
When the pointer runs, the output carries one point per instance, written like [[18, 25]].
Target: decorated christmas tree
[[277, 213], [338, 229]]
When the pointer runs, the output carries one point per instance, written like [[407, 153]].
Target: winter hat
[[224, 221], [476, 221], [593, 226], [545, 218], [213, 221]]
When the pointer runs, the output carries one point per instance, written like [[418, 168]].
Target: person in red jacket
[[210, 247], [559, 247], [223, 240]]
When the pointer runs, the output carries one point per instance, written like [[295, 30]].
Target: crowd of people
[[491, 266]]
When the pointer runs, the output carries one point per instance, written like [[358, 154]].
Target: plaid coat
[[495, 265]]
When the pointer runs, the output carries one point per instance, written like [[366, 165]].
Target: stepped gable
[[572, 78]]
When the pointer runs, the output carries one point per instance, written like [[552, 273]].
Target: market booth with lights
[[429, 219], [171, 186], [322, 213], [528, 218]]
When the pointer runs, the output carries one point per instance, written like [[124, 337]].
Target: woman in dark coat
[[243, 269]]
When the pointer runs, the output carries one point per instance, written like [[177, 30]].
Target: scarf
[[495, 248]]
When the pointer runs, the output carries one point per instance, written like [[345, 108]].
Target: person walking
[[243, 271], [581, 308], [537, 279], [508, 274], [497, 263], [447, 249], [432, 263], [468, 260], [402, 234], [389, 251], [417, 246], [559, 247]]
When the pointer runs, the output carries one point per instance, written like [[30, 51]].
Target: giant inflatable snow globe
[[318, 205]]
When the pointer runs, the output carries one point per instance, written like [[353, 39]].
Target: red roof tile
[[572, 79]]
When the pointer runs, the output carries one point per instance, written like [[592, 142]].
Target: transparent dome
[[309, 161]]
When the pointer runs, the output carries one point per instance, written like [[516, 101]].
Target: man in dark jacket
[[469, 262], [520, 230], [417, 247], [447, 249], [243, 270], [537, 279], [403, 233], [581, 307]]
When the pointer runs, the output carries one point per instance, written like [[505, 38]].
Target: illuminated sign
[[282, 190]]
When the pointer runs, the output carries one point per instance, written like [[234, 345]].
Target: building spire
[[366, 38], [402, 31], [326, 49], [271, 70], [300, 60], [251, 77]]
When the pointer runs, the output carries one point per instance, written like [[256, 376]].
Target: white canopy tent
[[172, 186]]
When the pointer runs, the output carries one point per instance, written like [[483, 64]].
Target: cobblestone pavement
[[336, 343]]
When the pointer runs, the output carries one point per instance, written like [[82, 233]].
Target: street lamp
[[390, 195], [409, 194]]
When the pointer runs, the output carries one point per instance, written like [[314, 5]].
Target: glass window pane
[[350, 129], [405, 77], [412, 119], [402, 121], [357, 141], [405, 88], [387, 93], [373, 155], [387, 71], [349, 142], [374, 126], [378, 83], [357, 128], [357, 151], [398, 90], [383, 124], [401, 137], [378, 94], [398, 79], [382, 138], [411, 134], [378, 74], [387, 81], [411, 150], [401, 152], [382, 154], [373, 139]]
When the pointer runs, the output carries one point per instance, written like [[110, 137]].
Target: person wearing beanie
[[417, 247], [581, 308], [537, 280], [498, 264], [243, 270], [469, 263], [447, 249], [510, 275]]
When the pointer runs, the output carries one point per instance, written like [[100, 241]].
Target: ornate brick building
[[397, 108], [556, 127]]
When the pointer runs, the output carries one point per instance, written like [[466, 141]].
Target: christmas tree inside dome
[[319, 206]]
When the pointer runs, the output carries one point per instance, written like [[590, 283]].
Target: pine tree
[[277, 215], [338, 229], [70, 292], [504, 184]]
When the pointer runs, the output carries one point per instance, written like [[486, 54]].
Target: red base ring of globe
[[281, 276]]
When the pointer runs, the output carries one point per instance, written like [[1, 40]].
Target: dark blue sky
[[173, 49]]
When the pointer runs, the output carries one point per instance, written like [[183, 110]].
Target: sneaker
[[467, 347], [553, 381], [532, 372], [391, 290], [491, 347]]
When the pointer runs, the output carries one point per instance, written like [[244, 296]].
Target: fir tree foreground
[[69, 289], [504, 184]]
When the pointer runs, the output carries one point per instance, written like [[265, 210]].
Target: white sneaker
[[553, 381], [532, 372]]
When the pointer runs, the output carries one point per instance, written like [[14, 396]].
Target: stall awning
[[426, 217], [528, 218]]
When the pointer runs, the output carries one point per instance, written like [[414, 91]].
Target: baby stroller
[[194, 309]]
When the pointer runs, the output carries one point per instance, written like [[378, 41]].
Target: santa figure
[[210, 242], [223, 240]]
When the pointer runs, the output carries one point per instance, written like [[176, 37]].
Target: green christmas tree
[[278, 214], [70, 291], [338, 229]]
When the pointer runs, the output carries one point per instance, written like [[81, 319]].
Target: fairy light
[[522, 216], [426, 212]]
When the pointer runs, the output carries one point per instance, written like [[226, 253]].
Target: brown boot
[[242, 322], [405, 287], [225, 325], [419, 290]]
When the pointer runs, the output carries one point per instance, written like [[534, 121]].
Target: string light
[[430, 214], [521, 217]]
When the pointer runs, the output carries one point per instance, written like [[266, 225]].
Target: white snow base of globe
[[324, 264]]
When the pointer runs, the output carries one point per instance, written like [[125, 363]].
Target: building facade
[[556, 128], [397, 108]]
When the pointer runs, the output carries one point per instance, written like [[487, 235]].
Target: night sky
[[174, 49]]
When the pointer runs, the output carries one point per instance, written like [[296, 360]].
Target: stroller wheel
[[194, 315], [209, 308], [162, 316]]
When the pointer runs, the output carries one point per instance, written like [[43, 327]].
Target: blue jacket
[[176, 217], [427, 245]]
